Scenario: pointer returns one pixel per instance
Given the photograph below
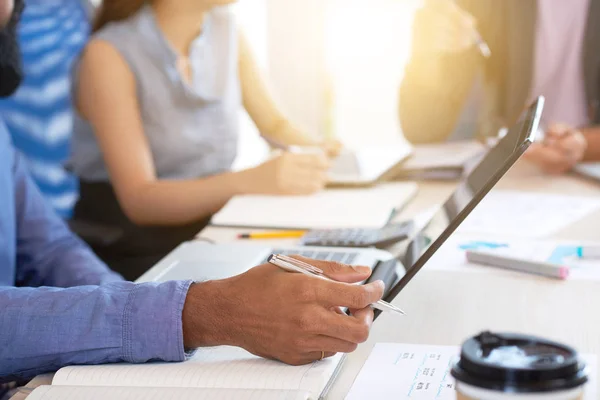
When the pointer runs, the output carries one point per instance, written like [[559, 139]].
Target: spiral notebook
[[215, 373]]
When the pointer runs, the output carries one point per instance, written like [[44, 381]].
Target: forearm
[[45, 329], [261, 107], [177, 202], [592, 136]]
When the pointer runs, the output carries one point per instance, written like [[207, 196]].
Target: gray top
[[191, 128]]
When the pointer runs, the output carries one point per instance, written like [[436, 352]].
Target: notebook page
[[219, 367], [332, 208], [136, 393]]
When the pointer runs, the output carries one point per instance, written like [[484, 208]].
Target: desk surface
[[445, 307]]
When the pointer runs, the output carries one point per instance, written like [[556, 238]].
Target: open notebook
[[215, 373]]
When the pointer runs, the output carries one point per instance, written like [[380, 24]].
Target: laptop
[[367, 165], [204, 261]]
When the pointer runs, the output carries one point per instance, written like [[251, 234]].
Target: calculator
[[359, 237]]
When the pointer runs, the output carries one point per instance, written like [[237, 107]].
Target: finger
[[364, 316], [349, 328], [314, 161], [570, 147], [332, 148], [303, 358], [557, 130], [549, 159], [316, 355], [309, 177], [330, 294], [338, 271], [330, 344], [338, 310]]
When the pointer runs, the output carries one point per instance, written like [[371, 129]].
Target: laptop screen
[[470, 191]]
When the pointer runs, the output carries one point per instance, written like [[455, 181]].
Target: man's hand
[[281, 315], [562, 149]]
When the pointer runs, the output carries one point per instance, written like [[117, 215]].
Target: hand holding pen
[[442, 27], [295, 265]]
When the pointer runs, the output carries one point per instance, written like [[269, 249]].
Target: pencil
[[272, 235]]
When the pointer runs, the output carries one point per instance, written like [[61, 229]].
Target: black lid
[[518, 363]]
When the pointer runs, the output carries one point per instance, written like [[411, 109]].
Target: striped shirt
[[39, 115]]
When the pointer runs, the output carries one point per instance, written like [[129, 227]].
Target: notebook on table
[[213, 373], [332, 208]]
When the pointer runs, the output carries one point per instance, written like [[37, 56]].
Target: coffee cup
[[518, 367]]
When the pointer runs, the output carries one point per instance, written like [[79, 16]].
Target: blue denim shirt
[[59, 305]]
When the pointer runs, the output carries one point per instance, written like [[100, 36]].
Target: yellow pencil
[[272, 235]]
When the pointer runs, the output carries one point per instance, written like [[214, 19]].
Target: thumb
[[338, 271]]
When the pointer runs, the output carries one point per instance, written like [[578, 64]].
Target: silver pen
[[292, 265]]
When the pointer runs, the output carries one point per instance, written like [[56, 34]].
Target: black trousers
[[136, 248]]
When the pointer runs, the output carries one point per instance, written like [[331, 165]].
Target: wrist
[[205, 316], [244, 182]]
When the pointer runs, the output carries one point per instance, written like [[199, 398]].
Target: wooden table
[[445, 307]]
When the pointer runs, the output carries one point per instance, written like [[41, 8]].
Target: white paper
[[137, 393], [406, 371], [409, 371], [530, 215], [452, 255], [332, 208]]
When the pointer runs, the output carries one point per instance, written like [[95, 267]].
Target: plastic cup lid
[[518, 363]]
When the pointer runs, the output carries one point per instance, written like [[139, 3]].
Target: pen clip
[[300, 264]]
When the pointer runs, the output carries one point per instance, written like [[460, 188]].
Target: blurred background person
[[547, 48], [39, 115], [158, 93]]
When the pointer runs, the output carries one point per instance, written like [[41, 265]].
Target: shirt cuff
[[152, 325]]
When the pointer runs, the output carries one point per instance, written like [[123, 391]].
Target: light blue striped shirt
[[39, 115]]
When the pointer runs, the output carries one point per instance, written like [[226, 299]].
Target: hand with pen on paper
[[561, 149], [288, 173]]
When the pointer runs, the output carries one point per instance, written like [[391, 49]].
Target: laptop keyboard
[[339, 256]]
